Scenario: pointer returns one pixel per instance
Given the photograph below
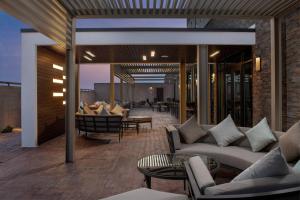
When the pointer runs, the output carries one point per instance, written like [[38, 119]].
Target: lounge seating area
[[267, 167]]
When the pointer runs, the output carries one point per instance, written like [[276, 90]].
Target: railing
[[5, 83]]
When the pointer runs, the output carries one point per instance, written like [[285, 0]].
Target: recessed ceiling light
[[88, 58], [214, 54], [164, 56], [144, 58], [90, 54], [152, 53]]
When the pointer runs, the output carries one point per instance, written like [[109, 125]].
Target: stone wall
[[261, 88], [10, 106]]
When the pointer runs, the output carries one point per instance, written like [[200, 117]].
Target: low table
[[170, 166], [136, 121]]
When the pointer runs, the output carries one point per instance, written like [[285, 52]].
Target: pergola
[[56, 19]]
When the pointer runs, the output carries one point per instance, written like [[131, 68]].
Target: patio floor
[[100, 170]]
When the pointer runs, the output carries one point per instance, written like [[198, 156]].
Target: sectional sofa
[[240, 154]]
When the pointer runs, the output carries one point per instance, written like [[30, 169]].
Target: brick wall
[[262, 80], [292, 60], [51, 111]]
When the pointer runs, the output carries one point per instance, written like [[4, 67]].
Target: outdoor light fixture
[[90, 54], [152, 53], [58, 94], [214, 54], [64, 90], [88, 58], [144, 58], [164, 56], [58, 67], [58, 81], [64, 77], [257, 64], [64, 102]]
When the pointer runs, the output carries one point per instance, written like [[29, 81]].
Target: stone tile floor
[[100, 170]]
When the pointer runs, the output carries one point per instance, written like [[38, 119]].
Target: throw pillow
[[296, 168], [226, 132], [104, 112], [290, 143], [260, 136], [87, 110], [99, 109], [272, 164], [190, 131], [117, 110]]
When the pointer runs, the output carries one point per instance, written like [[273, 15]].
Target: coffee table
[[170, 166], [136, 121]]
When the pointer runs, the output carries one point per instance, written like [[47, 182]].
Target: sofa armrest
[[173, 138]]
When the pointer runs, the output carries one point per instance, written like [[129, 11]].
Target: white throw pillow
[[272, 164], [226, 132], [260, 135], [191, 131]]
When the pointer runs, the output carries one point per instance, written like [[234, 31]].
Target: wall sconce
[[64, 102], [257, 64], [58, 94], [58, 67], [58, 81]]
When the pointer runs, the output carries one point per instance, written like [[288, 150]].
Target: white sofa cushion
[[258, 185], [191, 131], [260, 135], [201, 173], [226, 132], [272, 164], [290, 143], [238, 157], [147, 194]]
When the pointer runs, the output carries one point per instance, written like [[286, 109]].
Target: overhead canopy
[[51, 17]]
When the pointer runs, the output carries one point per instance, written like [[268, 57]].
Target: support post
[[112, 86], [77, 75], [182, 93], [121, 92], [193, 84], [71, 93], [202, 84], [276, 74]]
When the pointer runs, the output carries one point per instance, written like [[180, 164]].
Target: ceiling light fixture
[[90, 54], [214, 54], [88, 58], [144, 58], [152, 53]]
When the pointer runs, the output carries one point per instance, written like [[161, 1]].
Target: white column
[[276, 74], [71, 95], [202, 84]]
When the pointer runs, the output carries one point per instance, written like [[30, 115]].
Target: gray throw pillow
[[191, 131], [290, 143], [260, 136], [226, 132], [272, 164], [296, 168], [104, 112]]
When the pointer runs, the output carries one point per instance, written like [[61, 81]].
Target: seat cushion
[[290, 143], [117, 110], [226, 132], [233, 156], [255, 185], [260, 136], [201, 173], [147, 194], [191, 131], [271, 165]]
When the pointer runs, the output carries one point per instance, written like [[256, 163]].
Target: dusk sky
[[10, 43]]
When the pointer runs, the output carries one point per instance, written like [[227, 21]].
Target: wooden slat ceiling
[[177, 8], [134, 53], [50, 17]]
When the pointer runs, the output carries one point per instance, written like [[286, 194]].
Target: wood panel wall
[[51, 111]]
